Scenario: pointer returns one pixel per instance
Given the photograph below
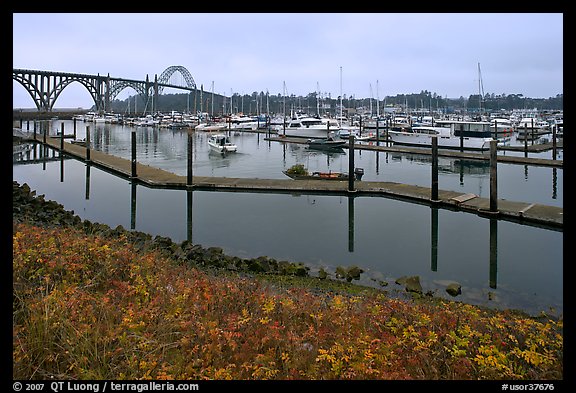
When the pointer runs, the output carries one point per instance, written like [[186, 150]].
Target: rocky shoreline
[[35, 209]]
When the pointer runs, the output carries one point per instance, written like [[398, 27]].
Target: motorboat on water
[[311, 127], [210, 127], [222, 144], [328, 143], [451, 134]]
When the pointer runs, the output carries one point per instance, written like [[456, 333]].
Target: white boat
[[244, 123], [312, 127], [502, 126], [450, 134], [222, 144], [210, 127]]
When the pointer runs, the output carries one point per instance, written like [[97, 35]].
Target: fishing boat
[[222, 144], [451, 134]]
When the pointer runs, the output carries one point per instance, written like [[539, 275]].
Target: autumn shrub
[[92, 307]]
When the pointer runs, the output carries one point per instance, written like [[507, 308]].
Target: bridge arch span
[[167, 73]]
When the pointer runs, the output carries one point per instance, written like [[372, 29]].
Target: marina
[[254, 194]]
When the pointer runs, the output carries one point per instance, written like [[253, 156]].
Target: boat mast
[[377, 100], [371, 97], [340, 96], [212, 114], [284, 121], [480, 88], [318, 98]]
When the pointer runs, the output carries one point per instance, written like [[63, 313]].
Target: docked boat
[[328, 143], [451, 134], [222, 144], [502, 126], [298, 172], [345, 133], [311, 127], [244, 123], [210, 127]]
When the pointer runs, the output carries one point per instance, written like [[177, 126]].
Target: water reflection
[[386, 238]]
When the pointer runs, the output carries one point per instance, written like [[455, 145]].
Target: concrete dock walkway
[[550, 217]]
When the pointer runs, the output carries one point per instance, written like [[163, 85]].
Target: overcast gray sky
[[360, 54]]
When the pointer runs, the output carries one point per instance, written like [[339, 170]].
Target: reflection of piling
[[87, 193], [189, 199], [434, 240], [493, 252], [61, 168], [351, 224], [133, 206]]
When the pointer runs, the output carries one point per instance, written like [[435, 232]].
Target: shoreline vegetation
[[92, 302]]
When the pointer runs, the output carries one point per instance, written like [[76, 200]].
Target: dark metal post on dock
[[387, 130], [74, 120], [525, 140], [377, 132], [44, 130], [495, 129], [493, 177], [189, 160], [62, 138], [532, 131], [87, 143], [554, 129], [351, 163], [134, 154], [34, 129], [434, 196]]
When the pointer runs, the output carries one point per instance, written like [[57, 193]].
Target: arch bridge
[[46, 86]]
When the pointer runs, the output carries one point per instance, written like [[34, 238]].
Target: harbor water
[[498, 263]]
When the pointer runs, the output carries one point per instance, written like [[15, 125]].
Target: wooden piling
[[87, 143], [493, 177], [62, 137], [434, 194], [134, 174], [189, 160], [351, 163]]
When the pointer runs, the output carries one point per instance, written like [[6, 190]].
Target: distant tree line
[[256, 103]]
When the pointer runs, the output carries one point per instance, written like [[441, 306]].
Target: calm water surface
[[498, 263]]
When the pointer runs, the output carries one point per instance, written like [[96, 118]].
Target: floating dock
[[550, 217]]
